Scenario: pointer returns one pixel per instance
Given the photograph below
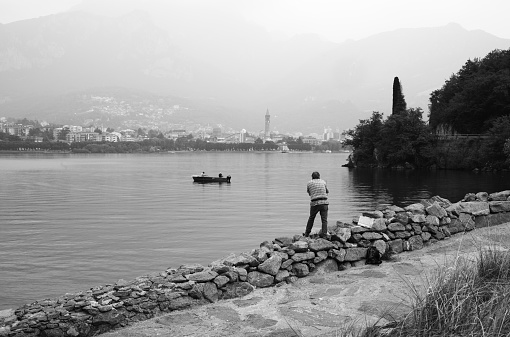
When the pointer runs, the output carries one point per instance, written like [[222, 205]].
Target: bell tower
[[267, 132]]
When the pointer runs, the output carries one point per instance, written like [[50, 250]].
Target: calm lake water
[[71, 222]]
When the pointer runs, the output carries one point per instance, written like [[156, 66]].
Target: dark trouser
[[323, 209]]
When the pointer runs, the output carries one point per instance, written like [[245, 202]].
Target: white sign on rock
[[365, 221]]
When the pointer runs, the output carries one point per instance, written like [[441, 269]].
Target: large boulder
[[355, 254], [379, 225], [499, 206], [260, 280], [417, 208], [499, 196], [210, 292], [271, 265], [415, 242], [203, 276], [320, 244], [436, 210], [475, 208], [237, 289], [327, 266], [396, 246], [298, 257], [299, 246], [300, 269]]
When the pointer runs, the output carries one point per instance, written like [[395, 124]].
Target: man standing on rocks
[[318, 192]]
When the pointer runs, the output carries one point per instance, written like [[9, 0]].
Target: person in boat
[[318, 192], [220, 175], [203, 174]]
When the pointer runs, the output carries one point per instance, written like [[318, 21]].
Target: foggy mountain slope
[[75, 51], [362, 71], [229, 70]]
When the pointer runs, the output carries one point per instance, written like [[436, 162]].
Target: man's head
[[316, 175]]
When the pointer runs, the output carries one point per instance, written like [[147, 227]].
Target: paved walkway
[[323, 305]]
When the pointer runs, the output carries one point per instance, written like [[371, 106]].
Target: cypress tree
[[399, 103]]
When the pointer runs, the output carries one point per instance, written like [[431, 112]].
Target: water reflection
[[392, 187]]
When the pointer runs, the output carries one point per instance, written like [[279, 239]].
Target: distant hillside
[[362, 71], [231, 69]]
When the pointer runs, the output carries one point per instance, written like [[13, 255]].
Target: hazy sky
[[335, 20]]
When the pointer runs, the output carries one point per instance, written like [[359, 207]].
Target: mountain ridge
[[306, 83]]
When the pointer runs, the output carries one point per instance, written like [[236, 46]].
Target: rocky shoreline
[[281, 261]]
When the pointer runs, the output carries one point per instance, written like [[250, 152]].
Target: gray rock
[[499, 206], [326, 266], [403, 234], [395, 209], [341, 234], [259, 279], [454, 209], [418, 218], [359, 230], [371, 236], [395, 246], [238, 289], [380, 245], [359, 263], [355, 254], [379, 225], [298, 257], [221, 281], [467, 221], [210, 292], [260, 254], [415, 242], [499, 196], [475, 208], [469, 197], [300, 269], [243, 274], [286, 263], [482, 196], [337, 254], [320, 244], [203, 276], [271, 265], [432, 220], [321, 256], [177, 278], [396, 226], [239, 260], [299, 246], [425, 236], [441, 201], [112, 317], [282, 275], [190, 268], [417, 208], [416, 228], [436, 210], [268, 245]]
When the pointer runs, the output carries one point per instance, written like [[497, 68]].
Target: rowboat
[[209, 179]]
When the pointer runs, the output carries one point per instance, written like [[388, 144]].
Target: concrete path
[[323, 305]]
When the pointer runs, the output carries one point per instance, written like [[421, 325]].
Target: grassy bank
[[469, 298]]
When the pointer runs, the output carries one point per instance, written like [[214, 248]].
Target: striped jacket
[[318, 192]]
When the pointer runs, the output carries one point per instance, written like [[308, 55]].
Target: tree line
[[468, 128]]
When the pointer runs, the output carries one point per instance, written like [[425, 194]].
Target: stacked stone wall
[[392, 230]]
